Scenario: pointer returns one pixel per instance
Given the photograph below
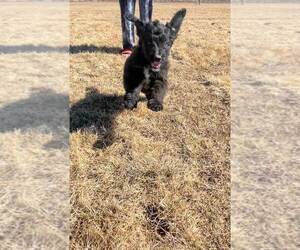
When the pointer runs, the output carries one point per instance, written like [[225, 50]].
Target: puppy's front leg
[[156, 95], [131, 97]]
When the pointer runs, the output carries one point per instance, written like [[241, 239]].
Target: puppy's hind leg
[[131, 97], [156, 95]]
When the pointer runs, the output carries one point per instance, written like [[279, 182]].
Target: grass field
[[144, 180], [34, 119], [265, 108]]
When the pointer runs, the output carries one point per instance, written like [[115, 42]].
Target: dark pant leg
[[146, 7], [127, 7]]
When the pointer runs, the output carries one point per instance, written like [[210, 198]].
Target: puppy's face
[[156, 39], [156, 44]]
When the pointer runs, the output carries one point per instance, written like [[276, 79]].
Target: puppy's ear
[[175, 23], [140, 26]]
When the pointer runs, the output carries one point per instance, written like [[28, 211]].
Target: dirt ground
[[145, 180]]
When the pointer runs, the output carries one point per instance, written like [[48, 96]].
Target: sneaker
[[126, 52]]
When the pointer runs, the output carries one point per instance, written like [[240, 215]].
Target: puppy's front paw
[[155, 105], [129, 103]]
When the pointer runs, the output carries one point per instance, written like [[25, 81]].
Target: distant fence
[[169, 1], [200, 1], [161, 1], [265, 1]]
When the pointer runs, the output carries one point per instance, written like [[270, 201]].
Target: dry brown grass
[[34, 163], [265, 126], [163, 182]]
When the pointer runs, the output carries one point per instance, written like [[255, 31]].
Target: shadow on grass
[[30, 48], [44, 111], [73, 49], [97, 113]]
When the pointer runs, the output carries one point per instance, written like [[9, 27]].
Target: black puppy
[[146, 69]]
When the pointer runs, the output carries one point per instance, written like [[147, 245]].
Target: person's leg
[[127, 7], [150, 9], [146, 7]]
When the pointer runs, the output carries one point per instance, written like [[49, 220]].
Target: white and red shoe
[[126, 52]]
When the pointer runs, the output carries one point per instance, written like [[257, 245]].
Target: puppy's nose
[[157, 58]]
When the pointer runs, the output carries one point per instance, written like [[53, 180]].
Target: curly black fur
[[146, 70]]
